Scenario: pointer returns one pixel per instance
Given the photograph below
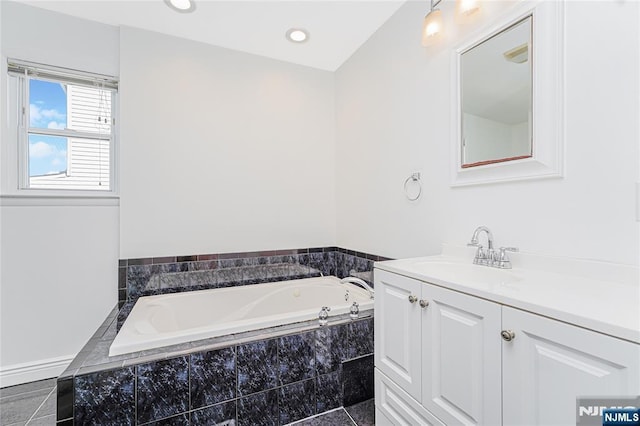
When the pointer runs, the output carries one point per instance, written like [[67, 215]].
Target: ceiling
[[337, 28]]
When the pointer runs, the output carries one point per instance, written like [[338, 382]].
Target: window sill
[[40, 199]]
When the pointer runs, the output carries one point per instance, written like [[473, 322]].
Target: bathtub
[[170, 319]]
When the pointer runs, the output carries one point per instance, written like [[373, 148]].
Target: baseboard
[[31, 371]]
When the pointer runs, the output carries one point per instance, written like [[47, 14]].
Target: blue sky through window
[[47, 110]]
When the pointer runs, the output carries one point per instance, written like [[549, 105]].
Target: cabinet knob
[[508, 335], [412, 298], [424, 303]]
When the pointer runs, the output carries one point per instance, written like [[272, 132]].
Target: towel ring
[[414, 177]]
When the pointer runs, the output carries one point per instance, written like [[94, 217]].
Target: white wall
[[222, 151], [393, 117], [58, 258]]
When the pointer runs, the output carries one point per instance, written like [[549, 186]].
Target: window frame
[[19, 119]]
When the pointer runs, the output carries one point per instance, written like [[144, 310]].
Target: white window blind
[[66, 131]]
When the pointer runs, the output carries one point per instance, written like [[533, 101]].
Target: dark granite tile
[[68, 422], [228, 276], [278, 272], [296, 356], [329, 393], [190, 258], [255, 274], [213, 377], [203, 265], [348, 262], [165, 268], [363, 264], [317, 261], [363, 413], [140, 261], [257, 366], [202, 279], [296, 401], [122, 295], [360, 337], [331, 348], [106, 397], [304, 259], [137, 279], [162, 389], [230, 263], [64, 409], [333, 418], [179, 420], [122, 262], [217, 415], [122, 277], [357, 376], [260, 409]]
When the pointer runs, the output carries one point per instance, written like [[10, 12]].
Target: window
[[66, 124]]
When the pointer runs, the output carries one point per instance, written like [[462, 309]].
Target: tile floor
[[34, 404]]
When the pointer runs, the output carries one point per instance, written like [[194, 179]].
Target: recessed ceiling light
[[297, 35], [183, 6]]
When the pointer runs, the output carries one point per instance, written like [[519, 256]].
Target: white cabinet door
[[461, 358], [397, 330], [549, 363], [397, 407]]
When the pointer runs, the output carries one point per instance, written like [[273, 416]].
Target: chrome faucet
[[490, 257], [361, 283]]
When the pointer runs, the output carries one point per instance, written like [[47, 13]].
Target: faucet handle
[[504, 249], [503, 261]]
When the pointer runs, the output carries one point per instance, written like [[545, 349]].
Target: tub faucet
[[361, 283]]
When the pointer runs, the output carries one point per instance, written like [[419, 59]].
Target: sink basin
[[457, 272]]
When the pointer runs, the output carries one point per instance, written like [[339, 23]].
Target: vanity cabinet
[[549, 363], [439, 346], [441, 359]]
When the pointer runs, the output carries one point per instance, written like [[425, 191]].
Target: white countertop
[[599, 296]]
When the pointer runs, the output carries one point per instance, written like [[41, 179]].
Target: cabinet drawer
[[397, 406]]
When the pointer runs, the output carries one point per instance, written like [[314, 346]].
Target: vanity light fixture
[[297, 35], [182, 6], [432, 26]]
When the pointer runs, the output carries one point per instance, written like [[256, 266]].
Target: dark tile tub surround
[[148, 276], [266, 377]]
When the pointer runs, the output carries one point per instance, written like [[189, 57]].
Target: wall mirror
[[508, 98], [495, 84]]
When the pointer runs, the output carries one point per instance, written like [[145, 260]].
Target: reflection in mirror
[[497, 98]]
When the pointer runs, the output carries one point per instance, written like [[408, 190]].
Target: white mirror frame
[[548, 99]]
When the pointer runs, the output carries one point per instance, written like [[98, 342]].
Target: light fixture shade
[[467, 7], [432, 27]]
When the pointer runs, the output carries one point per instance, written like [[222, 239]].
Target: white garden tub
[[170, 319]]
